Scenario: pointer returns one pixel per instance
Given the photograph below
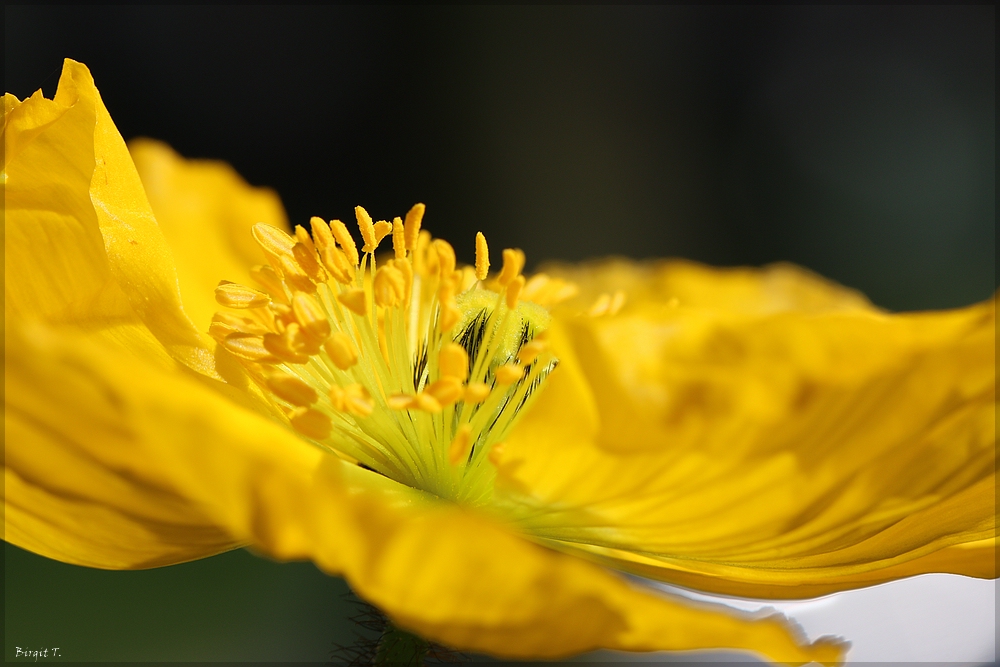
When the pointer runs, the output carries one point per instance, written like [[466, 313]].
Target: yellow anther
[[341, 350], [290, 388], [320, 233], [458, 451], [305, 255], [302, 236], [514, 291], [476, 392], [509, 374], [398, 239], [389, 286], [353, 399], [535, 286], [346, 241], [282, 313], [311, 423], [446, 257], [367, 229], [453, 361], [617, 301], [382, 229], [446, 391], [513, 262], [450, 315], [355, 300], [232, 295], [426, 403], [224, 323], [401, 402], [287, 345], [336, 263], [530, 351], [496, 454], [249, 347], [310, 316], [673, 302], [482, 257], [406, 269], [265, 276], [600, 306], [414, 218], [274, 241], [294, 276]]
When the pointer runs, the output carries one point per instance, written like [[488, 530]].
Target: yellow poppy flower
[[758, 433]]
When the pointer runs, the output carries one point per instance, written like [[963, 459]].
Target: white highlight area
[[933, 618]]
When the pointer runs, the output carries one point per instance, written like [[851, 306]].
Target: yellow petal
[[442, 571], [81, 244], [205, 210], [770, 453], [737, 291], [66, 495]]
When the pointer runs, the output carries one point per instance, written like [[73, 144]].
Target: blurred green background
[[859, 142]]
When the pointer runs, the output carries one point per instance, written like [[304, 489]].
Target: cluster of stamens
[[415, 368]]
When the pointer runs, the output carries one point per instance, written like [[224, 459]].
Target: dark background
[[859, 142]]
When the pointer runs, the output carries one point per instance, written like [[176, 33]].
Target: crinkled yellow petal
[[205, 210], [782, 454], [445, 572], [81, 244]]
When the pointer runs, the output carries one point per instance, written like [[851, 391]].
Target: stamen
[[232, 295], [496, 454], [294, 275], [389, 286], [530, 351], [414, 218], [355, 300], [290, 388], [367, 229], [353, 399], [509, 374], [382, 229], [341, 351], [275, 242], [513, 262], [514, 291], [346, 241], [249, 347], [398, 239], [265, 276], [416, 369], [446, 391], [477, 392], [310, 423], [458, 451], [453, 361], [446, 258], [310, 315]]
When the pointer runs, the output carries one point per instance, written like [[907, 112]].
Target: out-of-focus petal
[[81, 244], [736, 291], [774, 454], [445, 572], [205, 210]]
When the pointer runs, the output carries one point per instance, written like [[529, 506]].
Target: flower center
[[415, 368]]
